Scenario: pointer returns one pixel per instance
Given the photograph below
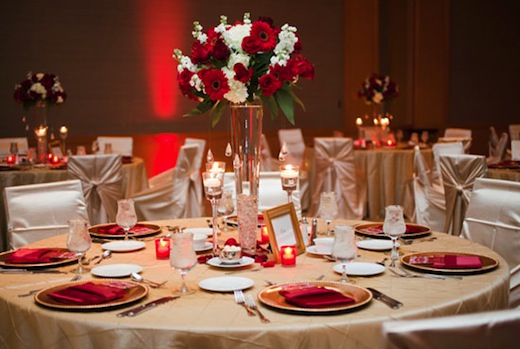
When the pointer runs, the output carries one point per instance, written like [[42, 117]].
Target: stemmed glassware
[[328, 209], [183, 258], [79, 241], [126, 217], [289, 175], [394, 227], [213, 182], [13, 149], [344, 248], [226, 207]]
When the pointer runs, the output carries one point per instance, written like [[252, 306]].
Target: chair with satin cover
[[458, 135], [514, 132], [293, 139], [492, 329], [492, 219], [335, 170], [5, 145], [459, 173], [39, 211], [497, 146], [102, 181], [430, 204], [515, 150], [267, 162], [120, 145], [173, 197], [439, 149]]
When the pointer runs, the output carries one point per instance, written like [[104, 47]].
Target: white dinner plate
[[375, 244], [226, 283], [207, 231], [242, 262], [360, 268], [123, 246], [116, 270], [207, 246], [313, 250]]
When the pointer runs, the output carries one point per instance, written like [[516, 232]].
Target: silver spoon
[[139, 278], [106, 254]]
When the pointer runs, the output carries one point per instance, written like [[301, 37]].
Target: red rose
[[199, 52], [220, 51], [184, 79], [215, 83], [251, 45], [264, 35], [283, 73], [231, 242], [300, 66], [242, 74], [47, 80], [269, 84]]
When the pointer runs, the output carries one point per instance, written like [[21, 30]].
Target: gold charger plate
[[4, 255], [271, 297], [132, 294], [488, 263], [151, 229], [375, 230]]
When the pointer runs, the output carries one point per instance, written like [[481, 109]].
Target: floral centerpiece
[[40, 89], [241, 62], [378, 89]]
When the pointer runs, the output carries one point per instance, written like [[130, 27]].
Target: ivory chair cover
[[5, 144], [38, 211], [267, 162], [459, 173], [196, 192], [270, 192], [497, 147], [175, 197], [430, 204], [493, 220], [515, 150], [439, 149], [457, 132], [293, 138], [335, 170], [102, 181], [494, 329], [120, 145], [514, 132]]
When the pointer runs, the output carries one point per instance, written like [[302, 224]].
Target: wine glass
[[394, 227], [183, 258], [289, 175], [13, 149], [344, 247], [126, 217], [328, 209], [79, 241], [226, 207], [213, 182]]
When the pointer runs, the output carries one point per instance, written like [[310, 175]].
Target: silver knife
[[391, 302], [147, 306], [31, 271]]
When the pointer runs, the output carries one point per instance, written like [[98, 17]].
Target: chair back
[[293, 139], [514, 132], [515, 150], [196, 190], [459, 173], [267, 162], [102, 181], [5, 145], [120, 145], [497, 146], [39, 211], [442, 148], [492, 329], [335, 170]]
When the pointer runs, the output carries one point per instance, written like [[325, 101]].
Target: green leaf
[[286, 103], [216, 112], [201, 108], [272, 105], [297, 100]]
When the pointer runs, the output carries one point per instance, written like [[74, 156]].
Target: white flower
[[235, 58], [196, 82], [233, 36], [39, 88], [378, 97], [238, 90]]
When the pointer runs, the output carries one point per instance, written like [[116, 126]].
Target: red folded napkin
[[315, 297], [448, 261], [114, 229], [37, 255], [87, 294]]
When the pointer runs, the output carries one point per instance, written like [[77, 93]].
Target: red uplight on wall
[[163, 24]]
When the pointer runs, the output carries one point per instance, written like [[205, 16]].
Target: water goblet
[[213, 182], [344, 247], [183, 258], [394, 227], [79, 241], [226, 207], [328, 209], [126, 217], [13, 149], [289, 176]]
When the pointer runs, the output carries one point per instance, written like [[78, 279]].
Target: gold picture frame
[[283, 229]]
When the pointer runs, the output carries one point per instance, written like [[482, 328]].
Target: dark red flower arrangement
[[378, 89], [39, 89]]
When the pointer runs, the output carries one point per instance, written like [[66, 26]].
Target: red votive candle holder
[[11, 159], [55, 159], [288, 256], [162, 248], [264, 235]]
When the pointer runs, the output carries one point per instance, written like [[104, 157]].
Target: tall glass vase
[[246, 130], [40, 131]]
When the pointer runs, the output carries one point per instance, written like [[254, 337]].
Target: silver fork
[[239, 299], [430, 276], [251, 303], [407, 274], [29, 293]]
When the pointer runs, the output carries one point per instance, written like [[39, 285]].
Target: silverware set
[[408, 274], [249, 304]]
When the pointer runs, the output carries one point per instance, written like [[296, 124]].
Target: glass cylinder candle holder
[[162, 248], [288, 256], [289, 176]]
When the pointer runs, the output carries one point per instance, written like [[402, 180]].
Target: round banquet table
[[210, 319]]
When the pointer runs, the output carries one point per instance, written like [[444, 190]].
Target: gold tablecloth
[[134, 180], [213, 320], [505, 174]]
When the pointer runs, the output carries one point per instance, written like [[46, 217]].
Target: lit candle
[[211, 182], [216, 167], [264, 235], [11, 159], [63, 130], [289, 171], [288, 256], [376, 122], [359, 121], [162, 248], [390, 143], [41, 131], [55, 159]]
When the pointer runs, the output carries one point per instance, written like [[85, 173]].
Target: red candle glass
[[288, 256], [11, 159], [162, 248], [264, 235], [55, 159]]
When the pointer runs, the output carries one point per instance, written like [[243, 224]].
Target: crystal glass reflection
[[183, 258], [213, 182], [394, 227], [328, 209], [226, 207], [344, 247], [126, 217], [79, 241]]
